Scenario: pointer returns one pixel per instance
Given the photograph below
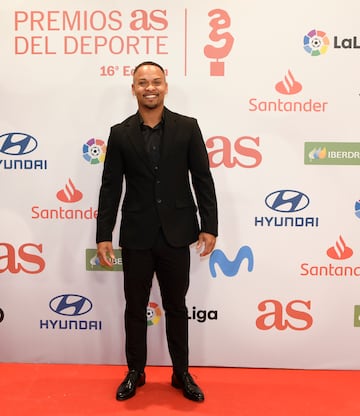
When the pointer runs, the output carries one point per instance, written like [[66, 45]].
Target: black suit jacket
[[157, 196]]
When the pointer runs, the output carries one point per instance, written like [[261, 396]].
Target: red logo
[[288, 85], [340, 251], [293, 315], [69, 193], [243, 152], [26, 258], [220, 21]]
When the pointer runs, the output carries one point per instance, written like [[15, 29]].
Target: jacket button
[[159, 201]]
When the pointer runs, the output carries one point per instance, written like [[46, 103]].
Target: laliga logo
[[153, 314], [220, 21]]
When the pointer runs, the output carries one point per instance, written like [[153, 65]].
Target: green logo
[[331, 153], [93, 264], [357, 315]]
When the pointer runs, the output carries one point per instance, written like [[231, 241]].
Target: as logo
[[293, 316], [242, 153], [26, 258], [220, 21], [231, 267]]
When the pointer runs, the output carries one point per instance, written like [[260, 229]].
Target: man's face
[[149, 86]]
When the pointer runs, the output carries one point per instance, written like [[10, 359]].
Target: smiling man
[[156, 151]]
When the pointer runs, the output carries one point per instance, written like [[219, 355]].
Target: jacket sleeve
[[202, 181], [111, 188]]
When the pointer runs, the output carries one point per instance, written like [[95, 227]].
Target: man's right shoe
[[127, 388]]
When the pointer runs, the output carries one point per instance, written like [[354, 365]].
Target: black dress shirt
[[152, 137]]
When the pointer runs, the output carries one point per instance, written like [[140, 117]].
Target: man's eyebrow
[[155, 79]]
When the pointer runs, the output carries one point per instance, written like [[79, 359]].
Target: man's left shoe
[[190, 389]]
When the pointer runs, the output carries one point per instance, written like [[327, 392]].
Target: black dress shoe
[[127, 388], [190, 389]]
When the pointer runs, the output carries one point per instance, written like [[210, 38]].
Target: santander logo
[[69, 193], [288, 85], [333, 270], [340, 251]]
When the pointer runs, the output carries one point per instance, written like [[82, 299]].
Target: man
[[155, 150]]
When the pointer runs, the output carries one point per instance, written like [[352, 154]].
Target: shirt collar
[[141, 121]]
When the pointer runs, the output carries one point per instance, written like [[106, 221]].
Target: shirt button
[[156, 167]]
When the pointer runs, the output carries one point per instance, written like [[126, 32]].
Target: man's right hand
[[105, 253]]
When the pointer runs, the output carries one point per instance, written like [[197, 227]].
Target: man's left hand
[[207, 242]]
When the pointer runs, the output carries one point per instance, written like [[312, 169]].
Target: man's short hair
[[149, 63]]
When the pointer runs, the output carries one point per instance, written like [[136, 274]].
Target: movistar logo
[[231, 267]]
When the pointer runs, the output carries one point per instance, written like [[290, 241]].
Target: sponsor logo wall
[[277, 98]]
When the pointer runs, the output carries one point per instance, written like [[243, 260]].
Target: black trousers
[[171, 266]]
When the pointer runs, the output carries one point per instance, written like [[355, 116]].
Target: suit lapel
[[169, 133]]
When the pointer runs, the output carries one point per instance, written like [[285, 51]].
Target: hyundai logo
[[287, 200], [70, 305], [1, 315], [16, 144]]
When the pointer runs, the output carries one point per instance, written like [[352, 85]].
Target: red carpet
[[77, 390]]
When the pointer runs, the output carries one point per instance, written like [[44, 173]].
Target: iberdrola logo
[[317, 153]]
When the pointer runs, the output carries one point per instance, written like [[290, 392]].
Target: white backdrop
[[275, 90]]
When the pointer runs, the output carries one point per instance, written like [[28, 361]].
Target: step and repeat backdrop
[[276, 92]]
